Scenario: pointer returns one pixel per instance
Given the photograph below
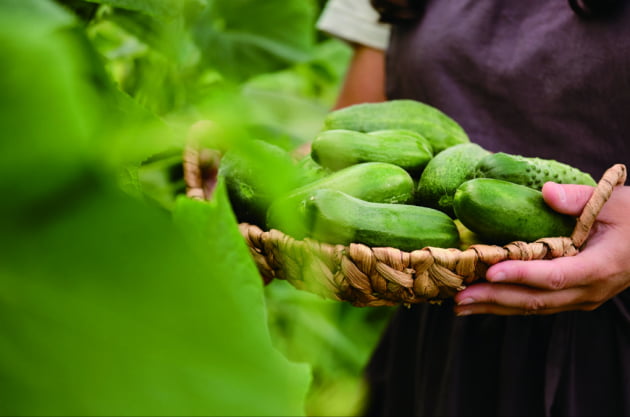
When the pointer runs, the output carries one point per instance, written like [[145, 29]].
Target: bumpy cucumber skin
[[500, 212], [444, 173], [529, 171], [441, 130], [370, 181], [339, 148], [338, 218]]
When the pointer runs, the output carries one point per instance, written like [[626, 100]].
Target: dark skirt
[[432, 363]]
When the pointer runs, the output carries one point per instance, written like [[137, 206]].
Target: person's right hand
[[583, 282]]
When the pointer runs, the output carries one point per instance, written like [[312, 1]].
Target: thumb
[[567, 198]]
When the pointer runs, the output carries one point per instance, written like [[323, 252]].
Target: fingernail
[[466, 301], [562, 195], [463, 313]]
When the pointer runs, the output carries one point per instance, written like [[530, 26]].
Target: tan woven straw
[[384, 276]]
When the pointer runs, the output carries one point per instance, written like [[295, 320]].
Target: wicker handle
[[614, 176]]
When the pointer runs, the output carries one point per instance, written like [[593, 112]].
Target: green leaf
[[296, 100], [109, 309], [48, 14], [211, 229], [60, 111], [155, 8], [52, 104], [242, 38]]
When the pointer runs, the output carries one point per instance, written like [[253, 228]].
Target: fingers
[[509, 299], [555, 274], [531, 287], [581, 282], [525, 304], [571, 199], [567, 198]]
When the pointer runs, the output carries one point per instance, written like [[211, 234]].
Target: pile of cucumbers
[[398, 174]]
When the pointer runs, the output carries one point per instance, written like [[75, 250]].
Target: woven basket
[[384, 276]]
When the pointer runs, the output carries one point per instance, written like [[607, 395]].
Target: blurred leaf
[[336, 338], [82, 9], [242, 38], [120, 315], [59, 110], [50, 107], [153, 60], [48, 15], [317, 79], [211, 229], [295, 117], [160, 179], [108, 308], [295, 100], [155, 8]]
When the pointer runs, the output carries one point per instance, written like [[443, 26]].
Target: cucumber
[[378, 182], [441, 130], [310, 171], [444, 173], [338, 218], [500, 212], [340, 148], [255, 176], [532, 172]]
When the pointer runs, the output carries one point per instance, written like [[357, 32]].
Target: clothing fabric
[[532, 78], [354, 21], [529, 77]]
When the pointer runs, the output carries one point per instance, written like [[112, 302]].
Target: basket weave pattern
[[384, 276]]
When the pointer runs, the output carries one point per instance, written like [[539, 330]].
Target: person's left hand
[[582, 282]]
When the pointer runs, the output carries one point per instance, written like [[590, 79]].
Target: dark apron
[[528, 77]]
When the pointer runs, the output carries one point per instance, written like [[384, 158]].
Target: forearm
[[365, 78]]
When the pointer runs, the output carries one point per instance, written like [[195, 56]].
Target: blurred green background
[[118, 295]]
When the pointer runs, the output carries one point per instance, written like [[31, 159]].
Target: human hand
[[582, 282]]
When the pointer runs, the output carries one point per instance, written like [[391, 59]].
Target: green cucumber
[[444, 173], [255, 176], [378, 182], [340, 148], [310, 171], [500, 212], [440, 129], [338, 218], [529, 171]]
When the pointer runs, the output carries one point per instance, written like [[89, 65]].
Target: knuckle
[[533, 306], [557, 279]]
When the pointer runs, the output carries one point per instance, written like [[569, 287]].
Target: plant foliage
[[118, 294]]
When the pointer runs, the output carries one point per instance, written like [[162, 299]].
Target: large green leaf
[[108, 310]]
